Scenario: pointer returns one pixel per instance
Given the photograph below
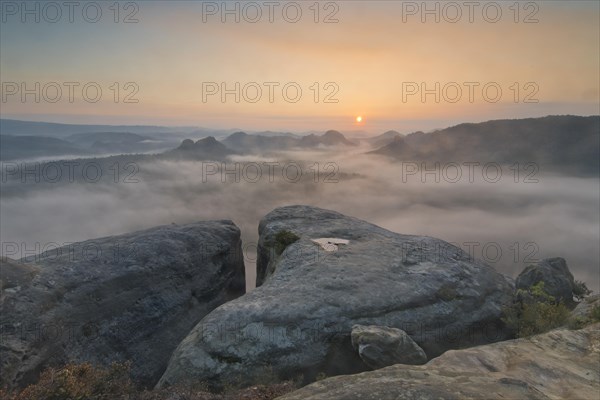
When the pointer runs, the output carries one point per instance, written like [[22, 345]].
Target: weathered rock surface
[[554, 272], [381, 346], [14, 276], [560, 364], [299, 319], [583, 312], [132, 297]]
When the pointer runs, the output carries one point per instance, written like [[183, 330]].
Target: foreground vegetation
[[535, 311], [86, 382]]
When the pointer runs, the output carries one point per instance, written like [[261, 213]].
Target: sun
[[359, 119]]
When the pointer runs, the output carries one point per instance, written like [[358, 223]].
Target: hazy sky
[[375, 58]]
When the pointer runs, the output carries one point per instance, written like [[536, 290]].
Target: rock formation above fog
[[242, 142], [208, 148], [131, 297], [566, 144], [560, 364], [245, 143], [299, 319], [329, 138], [383, 139], [554, 272]]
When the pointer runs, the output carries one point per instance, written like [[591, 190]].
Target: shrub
[[534, 312], [86, 382], [541, 317], [580, 290], [595, 314], [580, 321], [320, 376], [79, 382], [283, 239]]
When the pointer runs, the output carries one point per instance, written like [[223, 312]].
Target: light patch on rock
[[330, 244]]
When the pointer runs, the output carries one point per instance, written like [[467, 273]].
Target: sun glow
[[359, 119]]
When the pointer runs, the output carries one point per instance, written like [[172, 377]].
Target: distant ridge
[[383, 139], [329, 138], [246, 143], [569, 144], [208, 148], [18, 127]]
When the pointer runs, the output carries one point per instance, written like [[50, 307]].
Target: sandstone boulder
[[297, 322], [381, 346], [554, 272], [132, 297]]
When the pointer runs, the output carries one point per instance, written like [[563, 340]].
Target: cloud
[[506, 224]]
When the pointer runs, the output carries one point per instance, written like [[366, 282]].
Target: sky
[[300, 65]]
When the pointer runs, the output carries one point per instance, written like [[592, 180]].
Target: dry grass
[[86, 382]]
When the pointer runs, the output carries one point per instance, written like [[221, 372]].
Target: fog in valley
[[508, 221], [299, 200]]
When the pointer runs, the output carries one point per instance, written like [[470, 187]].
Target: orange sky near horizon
[[376, 62]]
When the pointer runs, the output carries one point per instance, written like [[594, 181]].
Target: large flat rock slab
[[557, 365]]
